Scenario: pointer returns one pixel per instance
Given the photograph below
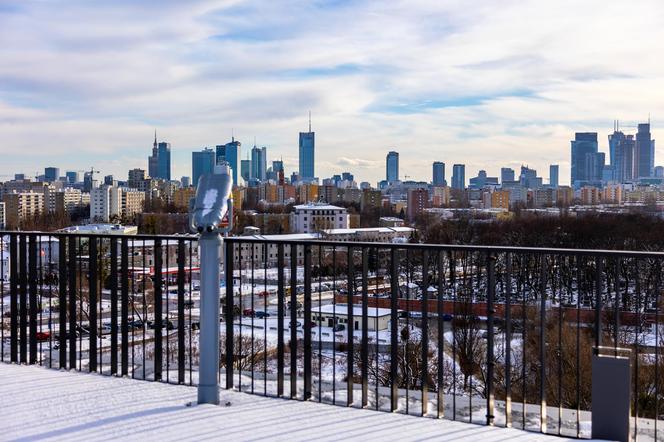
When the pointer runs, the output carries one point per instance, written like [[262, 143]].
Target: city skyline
[[449, 91]]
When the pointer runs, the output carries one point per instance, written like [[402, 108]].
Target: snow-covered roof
[[318, 207], [342, 310]]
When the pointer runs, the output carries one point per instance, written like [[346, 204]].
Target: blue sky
[[490, 84]]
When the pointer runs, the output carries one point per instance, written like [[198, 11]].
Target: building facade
[[203, 163], [310, 218], [392, 167]]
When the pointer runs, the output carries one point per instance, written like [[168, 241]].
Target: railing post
[[280, 320], [181, 277], [350, 327], [365, 327], [114, 305], [491, 295], [13, 298], [62, 297], [599, 268], [306, 327], [124, 309], [230, 329], [425, 332], [208, 384], [92, 304], [23, 294], [32, 293], [394, 330]]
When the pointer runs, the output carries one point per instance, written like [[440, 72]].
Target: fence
[[491, 335]]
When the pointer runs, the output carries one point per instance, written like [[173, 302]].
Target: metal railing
[[490, 335]]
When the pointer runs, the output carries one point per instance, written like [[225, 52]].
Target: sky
[[85, 83]]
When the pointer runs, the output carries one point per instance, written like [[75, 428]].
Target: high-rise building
[[153, 160], [185, 181], [277, 166], [439, 174], [202, 163], [245, 170], [51, 174], [258, 163], [659, 171], [307, 154], [621, 155], [506, 174], [231, 153], [164, 163], [553, 175], [587, 162], [528, 178], [72, 177], [459, 176], [418, 200], [392, 167], [644, 152]]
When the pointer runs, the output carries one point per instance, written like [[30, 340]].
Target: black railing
[[490, 335]]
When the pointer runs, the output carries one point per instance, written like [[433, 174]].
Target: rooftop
[[39, 403]]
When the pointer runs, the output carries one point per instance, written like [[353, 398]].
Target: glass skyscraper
[[644, 152], [231, 153], [621, 155], [201, 163], [259, 163], [439, 173], [163, 161], [307, 154], [51, 174], [459, 176], [587, 162], [553, 175], [392, 167], [506, 174]]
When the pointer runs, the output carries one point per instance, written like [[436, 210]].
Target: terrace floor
[[43, 404]]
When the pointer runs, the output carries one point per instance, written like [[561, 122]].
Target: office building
[[258, 163], [553, 175], [621, 155], [506, 174], [587, 162], [245, 170], [159, 163], [232, 154], [644, 152], [459, 176], [51, 174], [307, 151], [202, 163], [439, 174], [72, 177], [482, 180], [392, 167]]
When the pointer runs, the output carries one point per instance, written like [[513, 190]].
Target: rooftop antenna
[[232, 135], [309, 121]]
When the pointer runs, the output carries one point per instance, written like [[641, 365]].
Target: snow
[[38, 403]]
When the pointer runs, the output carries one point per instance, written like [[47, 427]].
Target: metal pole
[[208, 384]]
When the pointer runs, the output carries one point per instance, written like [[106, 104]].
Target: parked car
[[135, 324], [248, 312], [189, 303], [339, 327], [42, 336], [447, 317], [261, 315]]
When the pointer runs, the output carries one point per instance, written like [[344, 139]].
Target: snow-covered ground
[[38, 404]]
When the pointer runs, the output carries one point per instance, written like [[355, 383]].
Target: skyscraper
[[51, 174], [553, 175], [245, 169], [72, 177], [201, 163], [644, 152], [307, 153], [621, 155], [506, 174], [587, 162], [459, 176], [164, 161], [258, 163], [153, 160], [231, 153], [439, 174], [392, 166]]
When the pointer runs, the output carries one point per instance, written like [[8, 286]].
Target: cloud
[[488, 85]]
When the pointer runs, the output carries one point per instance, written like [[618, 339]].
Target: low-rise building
[[309, 218], [333, 314]]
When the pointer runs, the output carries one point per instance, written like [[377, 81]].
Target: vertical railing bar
[[394, 355], [229, 261], [542, 392], [124, 310], [425, 332], [253, 313], [320, 324], [2, 297], [334, 325], [365, 327], [13, 299], [168, 316], [578, 345], [23, 283], [191, 331], [265, 298], [240, 315], [280, 320], [72, 302], [523, 268], [508, 340], [350, 326], [92, 302], [306, 327], [616, 308], [132, 302], [39, 289], [598, 302], [50, 299], [491, 295], [440, 406], [62, 300], [405, 344], [181, 346], [114, 306], [293, 321], [558, 269], [637, 348], [158, 324], [32, 293], [453, 284], [145, 307]]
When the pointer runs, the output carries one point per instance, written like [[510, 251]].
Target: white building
[[102, 229], [333, 314], [108, 202], [310, 218]]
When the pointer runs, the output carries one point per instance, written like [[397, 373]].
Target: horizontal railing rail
[[484, 334]]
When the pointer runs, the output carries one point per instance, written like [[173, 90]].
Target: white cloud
[[487, 84]]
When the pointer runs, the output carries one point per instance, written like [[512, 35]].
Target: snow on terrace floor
[[43, 404]]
